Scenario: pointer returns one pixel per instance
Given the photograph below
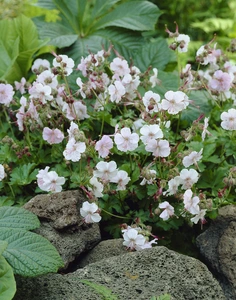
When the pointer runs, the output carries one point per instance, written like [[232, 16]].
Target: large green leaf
[[156, 54], [15, 217], [18, 42], [7, 280], [28, 253], [134, 15], [124, 43]]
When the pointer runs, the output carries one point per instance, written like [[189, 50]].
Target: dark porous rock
[[218, 248], [130, 276], [103, 250], [62, 224]]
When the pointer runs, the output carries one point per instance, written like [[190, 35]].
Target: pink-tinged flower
[[199, 216], [47, 78], [41, 92], [2, 172], [182, 41], [206, 55], [133, 240], [125, 140], [188, 178], [192, 158], [159, 148], [74, 150], [53, 136], [168, 210], [205, 131], [229, 119], [21, 115], [96, 187], [147, 245], [120, 67], [151, 102], [174, 102], [20, 86], [75, 111], [116, 91], [40, 65], [50, 181], [130, 83], [121, 179], [6, 94], [32, 112], [173, 186], [104, 146], [150, 132], [65, 63], [190, 202], [82, 66], [89, 212], [221, 81], [106, 170], [73, 130]]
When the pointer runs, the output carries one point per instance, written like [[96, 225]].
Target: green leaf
[[20, 39], [123, 41], [15, 217], [156, 54], [3, 246], [28, 253], [24, 174], [6, 201], [134, 15], [8, 283]]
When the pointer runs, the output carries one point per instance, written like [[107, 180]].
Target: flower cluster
[[124, 139]]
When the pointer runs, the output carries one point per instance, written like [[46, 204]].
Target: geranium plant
[[143, 154]]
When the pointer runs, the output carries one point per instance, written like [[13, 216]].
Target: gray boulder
[[130, 276], [62, 224], [218, 248]]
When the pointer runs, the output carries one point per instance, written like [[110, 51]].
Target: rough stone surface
[[103, 250], [218, 247], [131, 276], [62, 224]]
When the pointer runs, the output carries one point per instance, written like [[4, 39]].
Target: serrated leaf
[[28, 253], [6, 201], [134, 15], [15, 217], [24, 174], [7, 279], [3, 246], [155, 54], [151, 189]]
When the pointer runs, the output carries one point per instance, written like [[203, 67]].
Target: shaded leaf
[[134, 15], [8, 283], [24, 174], [15, 217]]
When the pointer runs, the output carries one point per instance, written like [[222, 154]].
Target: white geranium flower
[[192, 158], [188, 178], [150, 132], [74, 150], [121, 179], [158, 148], [125, 140], [132, 239], [89, 212], [106, 170], [65, 63], [50, 181], [168, 210], [152, 102], [229, 119], [199, 216], [174, 102], [191, 203], [96, 187]]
